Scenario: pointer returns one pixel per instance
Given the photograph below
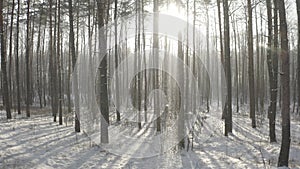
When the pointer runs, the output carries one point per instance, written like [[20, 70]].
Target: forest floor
[[37, 142]]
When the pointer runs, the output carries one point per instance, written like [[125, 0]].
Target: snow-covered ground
[[38, 142]]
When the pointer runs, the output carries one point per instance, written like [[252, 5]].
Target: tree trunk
[[285, 81], [17, 61], [117, 62], [3, 65], [10, 53], [75, 75], [298, 56], [257, 88], [103, 95], [207, 57], [228, 106], [38, 63], [250, 65], [60, 98], [156, 53], [27, 63], [180, 116], [222, 57], [272, 74]]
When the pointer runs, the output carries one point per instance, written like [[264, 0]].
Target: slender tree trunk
[[10, 53], [145, 62], [17, 61], [75, 75], [117, 62], [180, 102], [298, 56], [3, 65], [60, 98], [250, 66], [139, 81], [27, 63], [236, 66], [257, 89], [222, 57], [272, 74], [207, 57], [262, 66], [38, 62], [228, 106], [103, 96], [285, 81], [155, 53]]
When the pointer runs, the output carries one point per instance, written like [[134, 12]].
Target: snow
[[37, 142]]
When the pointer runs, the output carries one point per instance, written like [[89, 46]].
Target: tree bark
[[298, 55], [250, 66], [3, 65], [155, 52], [28, 97], [103, 95], [117, 62], [75, 75], [272, 74], [17, 61], [60, 98], [10, 53], [285, 81], [228, 106]]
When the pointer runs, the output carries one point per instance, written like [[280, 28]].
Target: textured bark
[[180, 116], [298, 56], [236, 65], [17, 61], [60, 96], [155, 52], [207, 57], [28, 97], [285, 81], [102, 82], [272, 76], [75, 75], [10, 53], [222, 56], [250, 65], [38, 62], [228, 105], [3, 65], [116, 61]]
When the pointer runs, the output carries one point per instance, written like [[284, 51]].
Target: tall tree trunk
[[139, 81], [60, 98], [257, 88], [298, 56], [75, 75], [236, 65], [10, 52], [180, 116], [28, 97], [272, 74], [250, 65], [38, 62], [103, 95], [207, 57], [285, 81], [228, 106], [222, 57], [17, 61], [3, 65], [116, 61], [155, 53], [145, 64]]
